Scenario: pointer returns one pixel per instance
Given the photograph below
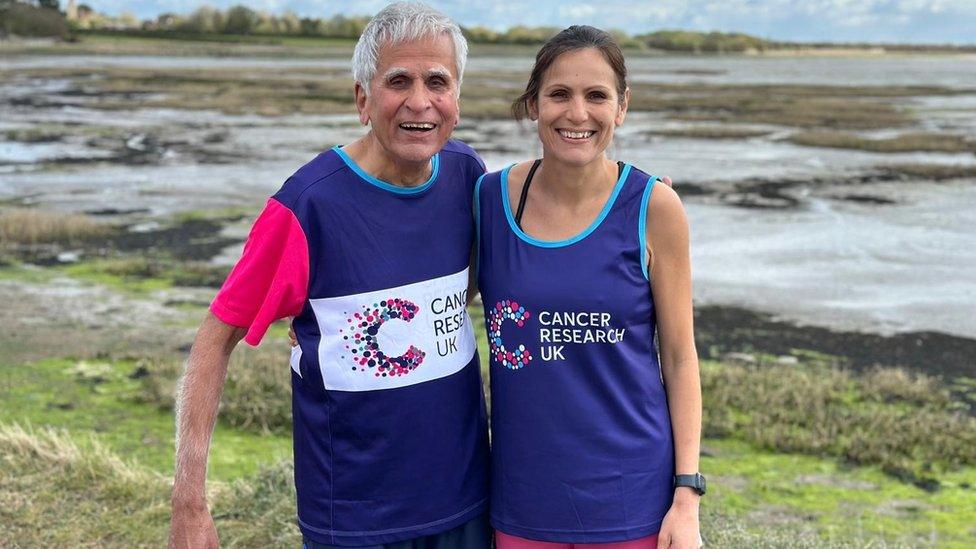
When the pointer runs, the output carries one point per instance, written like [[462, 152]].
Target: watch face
[[701, 483]]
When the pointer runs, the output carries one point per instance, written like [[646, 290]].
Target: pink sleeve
[[270, 281]]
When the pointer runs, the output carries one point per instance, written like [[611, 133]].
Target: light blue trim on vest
[[435, 163], [560, 243], [477, 224], [642, 226]]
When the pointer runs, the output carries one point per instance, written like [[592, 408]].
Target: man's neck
[[379, 163]]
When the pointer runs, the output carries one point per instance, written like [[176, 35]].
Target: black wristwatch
[[696, 482]]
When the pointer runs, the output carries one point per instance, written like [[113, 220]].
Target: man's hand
[[197, 402], [292, 338], [192, 527], [667, 181]]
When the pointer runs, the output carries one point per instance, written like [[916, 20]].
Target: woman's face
[[578, 107]]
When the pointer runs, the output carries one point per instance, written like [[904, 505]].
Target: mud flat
[[842, 206], [722, 330]]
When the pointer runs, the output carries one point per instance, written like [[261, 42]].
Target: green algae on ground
[[841, 501], [99, 397], [906, 423]]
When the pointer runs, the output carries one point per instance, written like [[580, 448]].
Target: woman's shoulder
[[664, 210], [513, 175], [518, 171]]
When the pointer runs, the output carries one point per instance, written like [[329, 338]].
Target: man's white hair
[[404, 22]]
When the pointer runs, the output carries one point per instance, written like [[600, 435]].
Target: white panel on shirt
[[422, 333]]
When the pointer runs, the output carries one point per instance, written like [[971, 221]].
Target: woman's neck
[[573, 184]]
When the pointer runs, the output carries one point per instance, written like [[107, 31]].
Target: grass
[[175, 255], [709, 132], [46, 473], [907, 424], [13, 270], [148, 274], [757, 499], [846, 505], [257, 393], [907, 142], [87, 496], [803, 106], [904, 423], [762, 495], [30, 227], [33, 135], [106, 398], [935, 172], [117, 44]]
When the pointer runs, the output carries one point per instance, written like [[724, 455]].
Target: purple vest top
[[582, 450]]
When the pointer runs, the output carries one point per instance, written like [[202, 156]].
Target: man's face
[[412, 106]]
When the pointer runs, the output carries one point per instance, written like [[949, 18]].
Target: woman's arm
[[669, 267]]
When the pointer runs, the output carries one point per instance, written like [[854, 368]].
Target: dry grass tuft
[[709, 132], [257, 394], [57, 492], [83, 495], [907, 142], [24, 226], [935, 172], [904, 423]]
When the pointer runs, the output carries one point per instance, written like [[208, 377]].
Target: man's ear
[[360, 93], [457, 119]]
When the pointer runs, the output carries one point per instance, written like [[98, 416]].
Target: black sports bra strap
[[528, 181], [525, 192]]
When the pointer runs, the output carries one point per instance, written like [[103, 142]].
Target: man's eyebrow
[[394, 72], [443, 73]]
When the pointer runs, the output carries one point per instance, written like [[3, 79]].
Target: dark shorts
[[474, 534]]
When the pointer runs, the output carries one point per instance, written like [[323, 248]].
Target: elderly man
[[367, 246]]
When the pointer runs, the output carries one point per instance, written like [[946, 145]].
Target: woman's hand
[[680, 527]]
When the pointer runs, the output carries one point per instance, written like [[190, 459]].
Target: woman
[[579, 264]]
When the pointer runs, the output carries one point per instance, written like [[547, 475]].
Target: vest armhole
[[476, 206], [642, 226]]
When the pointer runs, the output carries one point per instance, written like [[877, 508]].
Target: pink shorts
[[505, 541]]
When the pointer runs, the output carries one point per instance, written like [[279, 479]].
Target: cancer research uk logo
[[507, 310], [560, 333], [361, 341]]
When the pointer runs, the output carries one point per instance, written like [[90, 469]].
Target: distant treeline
[[33, 19], [241, 20], [240, 23]]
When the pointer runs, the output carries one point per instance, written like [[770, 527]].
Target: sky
[[880, 21]]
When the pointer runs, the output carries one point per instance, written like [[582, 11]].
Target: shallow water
[[828, 261], [954, 71], [905, 267]]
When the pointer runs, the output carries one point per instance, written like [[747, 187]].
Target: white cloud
[[578, 11]]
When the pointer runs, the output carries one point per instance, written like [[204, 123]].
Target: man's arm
[[196, 413]]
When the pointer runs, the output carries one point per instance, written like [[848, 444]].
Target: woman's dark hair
[[573, 38]]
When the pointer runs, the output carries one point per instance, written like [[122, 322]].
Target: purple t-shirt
[[390, 429]]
